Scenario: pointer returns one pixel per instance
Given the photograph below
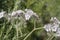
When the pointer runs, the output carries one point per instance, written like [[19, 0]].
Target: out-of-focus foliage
[[44, 8], [6, 5]]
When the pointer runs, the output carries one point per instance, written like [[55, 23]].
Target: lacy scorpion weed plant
[[16, 27]]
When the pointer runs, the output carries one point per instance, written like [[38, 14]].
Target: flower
[[27, 16], [20, 12], [29, 13], [54, 27], [13, 13], [51, 27], [16, 13], [47, 27], [2, 14]]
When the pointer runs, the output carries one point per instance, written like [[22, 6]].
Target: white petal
[[27, 17], [13, 13], [19, 11], [29, 11], [2, 14], [47, 27]]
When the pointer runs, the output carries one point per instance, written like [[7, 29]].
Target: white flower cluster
[[16, 13], [53, 27], [27, 14]]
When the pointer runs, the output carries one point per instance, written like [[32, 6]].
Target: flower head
[[29, 13], [51, 27], [20, 12], [16, 13]]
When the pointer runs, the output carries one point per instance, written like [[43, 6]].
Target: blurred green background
[[44, 8]]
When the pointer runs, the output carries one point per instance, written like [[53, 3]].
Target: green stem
[[32, 32]]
